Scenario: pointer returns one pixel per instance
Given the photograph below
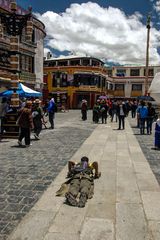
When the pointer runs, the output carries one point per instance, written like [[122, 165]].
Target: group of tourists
[[145, 115], [31, 117], [116, 110]]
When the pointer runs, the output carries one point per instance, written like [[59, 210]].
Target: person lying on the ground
[[93, 166], [81, 182]]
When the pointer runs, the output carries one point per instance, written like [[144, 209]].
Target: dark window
[[86, 79], [96, 63], [121, 72], [150, 72], [52, 64], [135, 72], [136, 87], [110, 73], [74, 62], [85, 62], [33, 36], [119, 86], [27, 63], [63, 77], [62, 63], [54, 80]]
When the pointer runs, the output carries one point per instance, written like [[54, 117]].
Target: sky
[[111, 30]]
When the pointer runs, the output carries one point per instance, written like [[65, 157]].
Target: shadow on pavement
[[157, 149], [17, 146]]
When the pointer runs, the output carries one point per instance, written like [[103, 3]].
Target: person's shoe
[[28, 145], [36, 137], [19, 143], [97, 175], [71, 200], [82, 200]]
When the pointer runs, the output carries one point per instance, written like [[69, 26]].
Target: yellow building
[[72, 78]]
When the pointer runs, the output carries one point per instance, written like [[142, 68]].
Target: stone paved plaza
[[147, 145], [25, 173]]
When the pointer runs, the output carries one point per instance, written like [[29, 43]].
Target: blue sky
[[109, 29]]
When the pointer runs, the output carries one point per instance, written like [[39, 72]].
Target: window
[[136, 87], [119, 86], [85, 62], [110, 73], [150, 72], [95, 63], [27, 63], [135, 72], [74, 62], [63, 80], [54, 80], [62, 63], [52, 64], [121, 72]]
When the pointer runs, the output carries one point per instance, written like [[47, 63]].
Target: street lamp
[[147, 55], [14, 24]]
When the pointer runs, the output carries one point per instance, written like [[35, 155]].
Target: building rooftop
[[70, 57]]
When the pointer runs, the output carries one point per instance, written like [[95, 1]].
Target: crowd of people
[[117, 110], [114, 109], [31, 117]]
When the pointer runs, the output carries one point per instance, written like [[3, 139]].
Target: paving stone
[[96, 228], [130, 222], [26, 173], [39, 219]]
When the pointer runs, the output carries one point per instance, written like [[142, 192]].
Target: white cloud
[[101, 32], [157, 6]]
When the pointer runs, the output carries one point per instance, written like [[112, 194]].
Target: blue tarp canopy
[[23, 91]]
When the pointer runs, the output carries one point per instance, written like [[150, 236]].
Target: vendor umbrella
[[23, 91], [154, 89]]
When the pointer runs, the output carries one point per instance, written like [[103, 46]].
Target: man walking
[[121, 112], [51, 111]]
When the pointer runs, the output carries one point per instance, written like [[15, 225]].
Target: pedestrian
[[157, 134], [96, 109], [25, 122], [51, 112], [113, 111], [121, 112], [4, 107], [84, 110], [103, 111], [37, 114], [150, 117], [133, 109], [142, 112]]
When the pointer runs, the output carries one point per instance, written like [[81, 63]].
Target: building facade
[[72, 78], [29, 53], [130, 81]]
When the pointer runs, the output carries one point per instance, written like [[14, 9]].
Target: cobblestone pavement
[[26, 172], [147, 145]]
